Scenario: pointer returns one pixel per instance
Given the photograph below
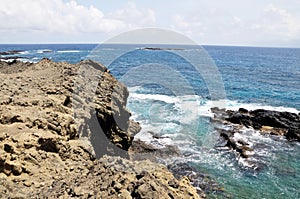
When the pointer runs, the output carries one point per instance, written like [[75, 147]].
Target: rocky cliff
[[56, 120]]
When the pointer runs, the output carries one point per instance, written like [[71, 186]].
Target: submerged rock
[[204, 183]]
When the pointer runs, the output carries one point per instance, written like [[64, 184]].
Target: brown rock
[[49, 142]]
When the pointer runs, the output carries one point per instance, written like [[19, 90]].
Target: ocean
[[172, 89]]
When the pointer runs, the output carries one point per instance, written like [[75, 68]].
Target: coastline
[[46, 153], [48, 117]]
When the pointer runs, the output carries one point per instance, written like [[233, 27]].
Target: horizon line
[[180, 44]]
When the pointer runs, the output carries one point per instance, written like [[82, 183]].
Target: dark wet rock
[[12, 58], [141, 150], [204, 183], [11, 52], [219, 115], [226, 134], [239, 118], [274, 118], [156, 48], [243, 110], [274, 122], [240, 146], [267, 123], [293, 134]]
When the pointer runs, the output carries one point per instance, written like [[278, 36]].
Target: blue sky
[[215, 22]]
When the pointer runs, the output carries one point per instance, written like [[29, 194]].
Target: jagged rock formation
[[265, 122], [55, 120], [272, 122]]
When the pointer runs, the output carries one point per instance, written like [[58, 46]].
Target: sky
[[214, 22]]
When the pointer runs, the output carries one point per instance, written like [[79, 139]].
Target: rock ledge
[[52, 131]]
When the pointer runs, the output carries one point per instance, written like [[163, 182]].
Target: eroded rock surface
[[273, 122], [55, 120], [251, 133]]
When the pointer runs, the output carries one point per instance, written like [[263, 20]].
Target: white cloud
[[54, 16], [280, 23], [134, 16], [208, 27], [57, 16], [237, 21], [274, 26], [191, 26], [270, 26], [210, 22]]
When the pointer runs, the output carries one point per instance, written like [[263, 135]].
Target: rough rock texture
[[109, 177], [58, 97], [55, 119], [236, 126], [13, 67], [273, 122], [99, 104], [204, 183], [141, 150], [171, 156]]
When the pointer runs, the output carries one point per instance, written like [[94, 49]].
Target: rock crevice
[[52, 129]]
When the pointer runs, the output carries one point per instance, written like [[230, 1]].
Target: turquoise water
[[278, 177], [252, 77]]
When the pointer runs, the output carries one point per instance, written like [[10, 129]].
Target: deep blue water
[[269, 76], [177, 101], [263, 75]]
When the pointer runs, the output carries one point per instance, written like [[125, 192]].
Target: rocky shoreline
[[10, 56], [65, 132], [54, 125], [238, 129]]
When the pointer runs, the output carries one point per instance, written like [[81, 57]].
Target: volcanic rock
[[56, 119]]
